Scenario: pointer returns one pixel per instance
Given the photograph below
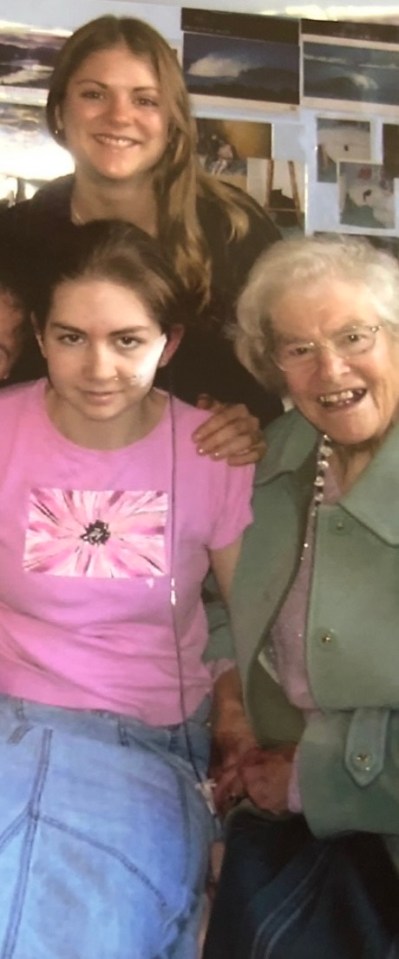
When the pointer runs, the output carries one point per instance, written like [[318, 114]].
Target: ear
[[174, 338], [38, 335]]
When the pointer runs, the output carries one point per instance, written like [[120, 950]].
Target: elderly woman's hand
[[266, 776], [231, 742], [232, 739], [231, 433], [261, 775], [240, 767]]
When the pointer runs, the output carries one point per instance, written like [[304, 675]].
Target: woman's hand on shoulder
[[230, 433]]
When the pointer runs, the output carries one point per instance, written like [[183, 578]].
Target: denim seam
[[32, 824], [122, 734], [114, 854], [181, 924], [13, 829], [184, 805]]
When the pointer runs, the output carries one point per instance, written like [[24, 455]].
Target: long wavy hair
[[178, 178]]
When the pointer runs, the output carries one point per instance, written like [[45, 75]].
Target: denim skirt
[[104, 835]]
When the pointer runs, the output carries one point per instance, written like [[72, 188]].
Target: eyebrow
[[349, 325], [76, 329], [104, 86]]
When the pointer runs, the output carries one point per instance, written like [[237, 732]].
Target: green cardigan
[[349, 756]]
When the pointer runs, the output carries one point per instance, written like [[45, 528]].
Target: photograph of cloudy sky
[[351, 73], [26, 148], [243, 69], [27, 58]]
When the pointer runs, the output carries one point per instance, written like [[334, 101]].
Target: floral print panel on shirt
[[107, 534]]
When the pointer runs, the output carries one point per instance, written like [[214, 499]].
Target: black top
[[205, 361]]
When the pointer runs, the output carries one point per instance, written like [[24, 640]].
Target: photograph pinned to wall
[[284, 195], [349, 63], [9, 190], [390, 148], [27, 151], [241, 56], [14, 189], [366, 196], [225, 147], [27, 58], [339, 139]]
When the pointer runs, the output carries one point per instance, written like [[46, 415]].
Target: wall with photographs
[[302, 114]]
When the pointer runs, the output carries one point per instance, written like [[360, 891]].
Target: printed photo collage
[[327, 160], [28, 155]]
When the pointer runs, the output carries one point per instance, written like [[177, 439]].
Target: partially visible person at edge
[[104, 698], [311, 867], [118, 103], [15, 326]]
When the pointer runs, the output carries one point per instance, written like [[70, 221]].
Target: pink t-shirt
[[89, 543]]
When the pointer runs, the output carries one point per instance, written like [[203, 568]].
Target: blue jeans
[[103, 835]]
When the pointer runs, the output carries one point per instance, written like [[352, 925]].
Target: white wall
[[69, 14]]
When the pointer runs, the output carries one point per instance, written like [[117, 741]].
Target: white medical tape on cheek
[[147, 366]]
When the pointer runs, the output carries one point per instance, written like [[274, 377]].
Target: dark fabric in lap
[[284, 894]]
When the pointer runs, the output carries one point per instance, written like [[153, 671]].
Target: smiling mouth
[[342, 399], [116, 141], [98, 395]]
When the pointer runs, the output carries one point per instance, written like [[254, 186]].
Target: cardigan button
[[363, 761], [326, 639]]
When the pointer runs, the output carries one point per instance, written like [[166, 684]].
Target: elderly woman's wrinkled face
[[342, 371], [11, 332]]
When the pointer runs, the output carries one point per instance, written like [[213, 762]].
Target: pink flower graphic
[[90, 533]]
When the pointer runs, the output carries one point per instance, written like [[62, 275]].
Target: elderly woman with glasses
[[312, 857]]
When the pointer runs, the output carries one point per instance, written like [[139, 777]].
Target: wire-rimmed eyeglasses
[[348, 343]]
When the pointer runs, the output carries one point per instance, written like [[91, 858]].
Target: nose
[[329, 363], [120, 107], [99, 364]]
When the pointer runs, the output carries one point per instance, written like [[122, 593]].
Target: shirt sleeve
[[232, 507]]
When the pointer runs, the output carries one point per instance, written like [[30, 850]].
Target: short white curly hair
[[296, 264]]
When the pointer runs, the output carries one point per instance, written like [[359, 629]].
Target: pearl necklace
[[268, 656], [323, 454]]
